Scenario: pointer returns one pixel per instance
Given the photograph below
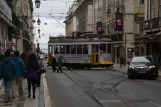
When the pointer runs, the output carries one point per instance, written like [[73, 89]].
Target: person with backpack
[[8, 73], [17, 82]]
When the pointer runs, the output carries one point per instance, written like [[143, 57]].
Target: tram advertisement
[[76, 58]]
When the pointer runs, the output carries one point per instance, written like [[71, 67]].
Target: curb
[[46, 93]]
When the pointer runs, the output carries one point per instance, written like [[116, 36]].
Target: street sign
[[10, 44]]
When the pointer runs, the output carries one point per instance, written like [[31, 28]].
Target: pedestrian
[[8, 71], [1, 63], [53, 63], [17, 82], [24, 57], [39, 72], [60, 58], [32, 68]]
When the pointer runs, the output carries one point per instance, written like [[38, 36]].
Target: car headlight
[[131, 67], [151, 66]]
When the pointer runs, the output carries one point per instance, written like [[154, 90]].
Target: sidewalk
[[42, 96], [124, 69]]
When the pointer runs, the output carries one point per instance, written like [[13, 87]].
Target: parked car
[[142, 66]]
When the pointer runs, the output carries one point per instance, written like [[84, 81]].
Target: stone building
[[152, 27], [123, 42]]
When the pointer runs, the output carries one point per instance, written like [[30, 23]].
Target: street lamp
[[38, 21], [37, 3], [39, 31]]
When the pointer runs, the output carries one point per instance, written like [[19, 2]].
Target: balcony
[[15, 21], [26, 35], [152, 24]]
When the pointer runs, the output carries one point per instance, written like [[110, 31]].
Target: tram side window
[[103, 48], [67, 49], [73, 49], [56, 49], [109, 48], [85, 49], [79, 49], [62, 49]]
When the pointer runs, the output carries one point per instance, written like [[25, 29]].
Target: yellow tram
[[81, 52]]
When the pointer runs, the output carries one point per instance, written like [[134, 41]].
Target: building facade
[[24, 9], [5, 22], [84, 16], [70, 21], [123, 42], [152, 27]]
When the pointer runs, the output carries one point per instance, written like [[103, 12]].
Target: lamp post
[[39, 31], [37, 3], [38, 21]]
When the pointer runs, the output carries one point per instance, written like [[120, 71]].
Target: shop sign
[[5, 9], [9, 44]]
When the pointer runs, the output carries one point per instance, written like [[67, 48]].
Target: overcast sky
[[58, 8]]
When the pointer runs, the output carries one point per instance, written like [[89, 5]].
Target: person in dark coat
[[32, 68], [60, 59], [53, 63], [1, 63]]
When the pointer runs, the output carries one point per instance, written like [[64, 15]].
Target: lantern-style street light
[[38, 21], [39, 31], [37, 3]]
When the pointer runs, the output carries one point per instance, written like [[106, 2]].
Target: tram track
[[92, 92]]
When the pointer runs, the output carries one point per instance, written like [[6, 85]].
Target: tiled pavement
[[16, 102]]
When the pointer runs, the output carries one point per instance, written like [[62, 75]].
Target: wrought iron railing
[[153, 23], [26, 35]]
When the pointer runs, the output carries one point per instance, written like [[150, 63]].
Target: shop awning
[[7, 20]]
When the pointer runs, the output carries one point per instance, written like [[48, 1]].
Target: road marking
[[109, 101], [46, 93], [154, 103]]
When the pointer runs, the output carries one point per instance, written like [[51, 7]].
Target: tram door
[[95, 54], [49, 54]]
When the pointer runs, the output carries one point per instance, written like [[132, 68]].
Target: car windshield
[[142, 60]]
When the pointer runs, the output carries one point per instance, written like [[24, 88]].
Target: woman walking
[[32, 68]]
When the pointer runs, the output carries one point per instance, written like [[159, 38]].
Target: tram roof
[[64, 40], [82, 38]]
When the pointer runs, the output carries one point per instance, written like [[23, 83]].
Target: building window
[[141, 2], [159, 8], [152, 9]]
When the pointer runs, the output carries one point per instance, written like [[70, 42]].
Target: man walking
[[18, 76], [53, 63], [60, 64]]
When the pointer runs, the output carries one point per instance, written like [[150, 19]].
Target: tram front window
[[85, 49], [67, 49], [62, 49], [103, 48], [56, 49], [109, 48], [79, 49], [73, 49]]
